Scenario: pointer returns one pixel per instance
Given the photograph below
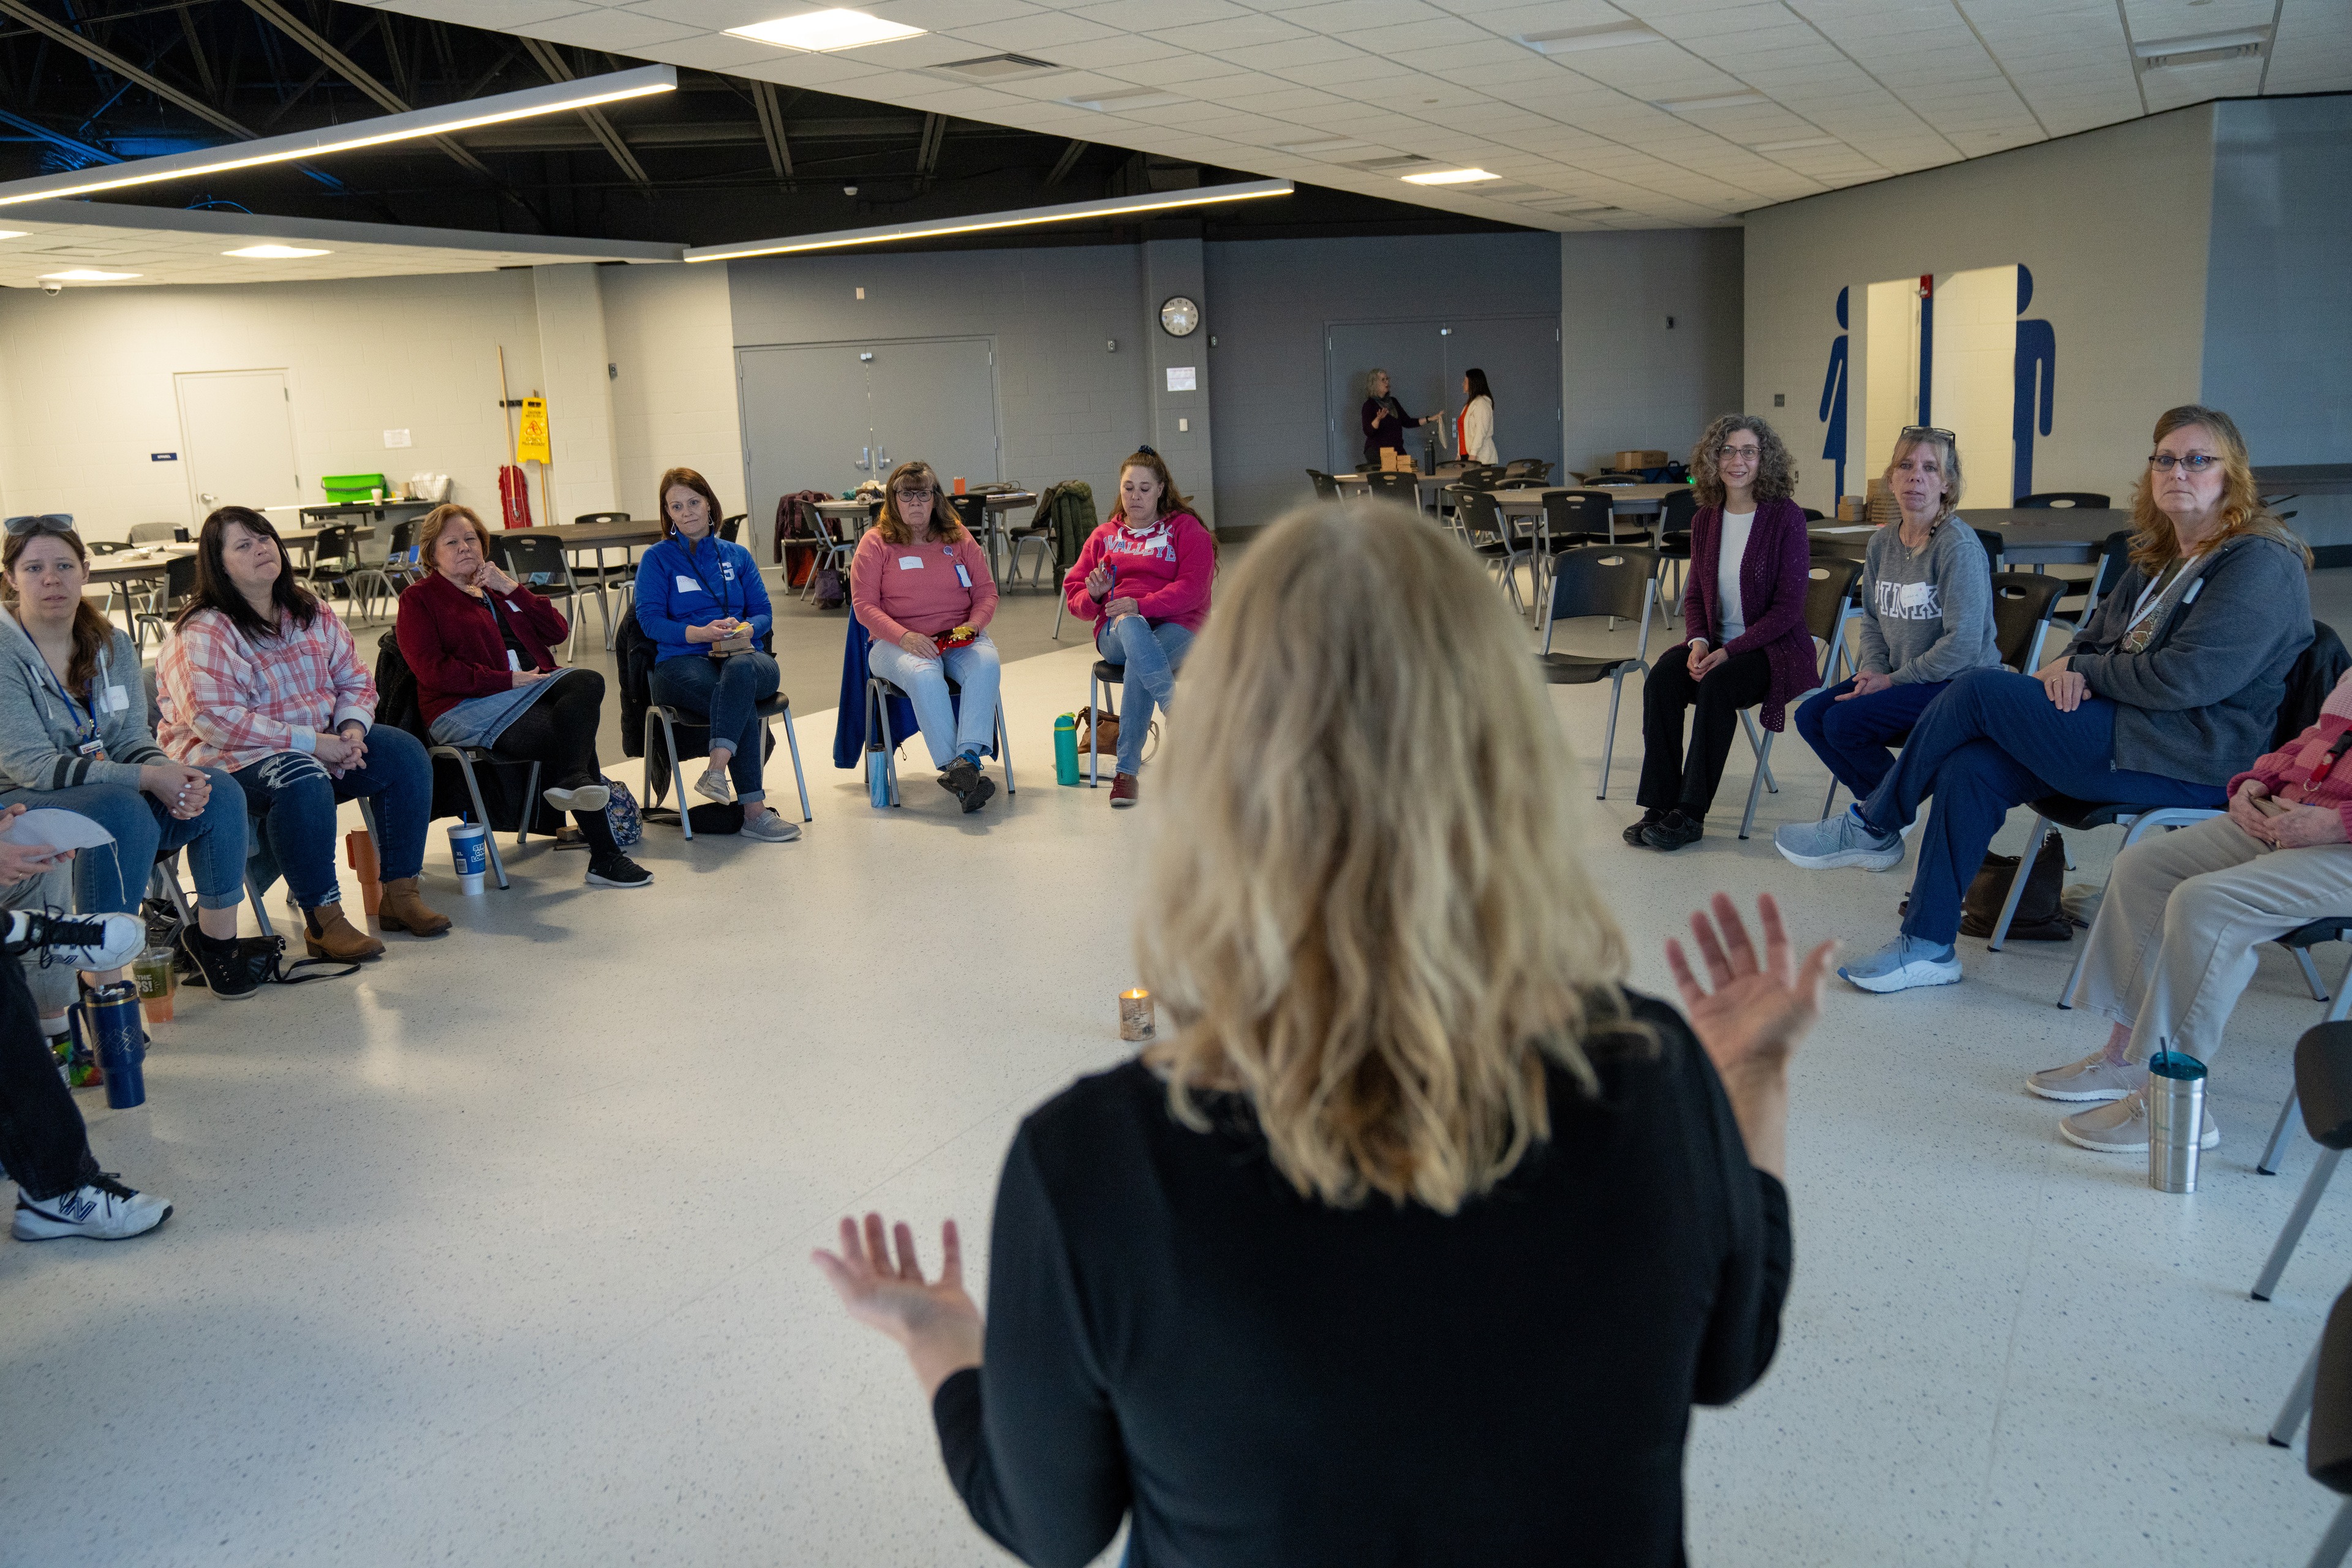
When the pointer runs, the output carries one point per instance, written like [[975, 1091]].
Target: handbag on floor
[[2038, 917], [620, 814], [1106, 724]]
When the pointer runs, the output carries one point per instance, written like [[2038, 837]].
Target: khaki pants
[[2175, 941]]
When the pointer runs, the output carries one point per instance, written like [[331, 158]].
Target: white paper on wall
[[1180, 378]]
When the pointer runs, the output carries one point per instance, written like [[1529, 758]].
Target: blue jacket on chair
[[849, 726]]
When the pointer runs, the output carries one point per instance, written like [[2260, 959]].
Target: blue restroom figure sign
[[1833, 401], [2037, 374]]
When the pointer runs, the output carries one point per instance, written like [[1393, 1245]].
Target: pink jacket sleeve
[[984, 583], [865, 587], [1196, 560], [1074, 586]]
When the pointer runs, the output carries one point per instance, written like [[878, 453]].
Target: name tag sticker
[[512, 661], [686, 584], [910, 563], [1913, 596], [114, 699], [962, 575]]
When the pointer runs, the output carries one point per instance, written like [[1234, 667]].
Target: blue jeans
[[725, 692], [1851, 736], [1976, 779], [948, 729], [112, 882], [295, 797], [1152, 655]]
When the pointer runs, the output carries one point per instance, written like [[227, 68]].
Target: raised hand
[[1752, 1020], [936, 1322]]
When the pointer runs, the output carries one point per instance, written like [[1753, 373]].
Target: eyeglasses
[[908, 497], [47, 522], [1726, 454], [2195, 462], [1930, 431]]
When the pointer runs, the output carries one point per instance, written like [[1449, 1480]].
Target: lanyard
[[2153, 595], [706, 589], [962, 576], [85, 718], [2327, 764]]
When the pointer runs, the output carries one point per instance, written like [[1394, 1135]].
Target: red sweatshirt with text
[[1165, 568]]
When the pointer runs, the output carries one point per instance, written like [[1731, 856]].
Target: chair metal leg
[[482, 812], [2311, 974], [530, 807], [2017, 891], [2269, 1163], [657, 714], [881, 721], [2333, 1546], [258, 897], [2298, 1403], [1094, 731], [1763, 749], [1830, 799], [2314, 1186], [1004, 749], [1608, 740], [801, 778], [1059, 609], [1763, 777]]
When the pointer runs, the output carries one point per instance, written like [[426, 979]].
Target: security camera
[[849, 190], [53, 289]]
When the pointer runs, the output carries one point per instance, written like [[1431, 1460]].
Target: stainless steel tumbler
[[2175, 1120]]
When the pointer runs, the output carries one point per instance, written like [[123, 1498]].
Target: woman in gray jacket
[[74, 735], [1926, 617], [2172, 687]]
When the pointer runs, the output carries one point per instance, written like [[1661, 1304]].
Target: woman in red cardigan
[[1744, 610], [478, 643]]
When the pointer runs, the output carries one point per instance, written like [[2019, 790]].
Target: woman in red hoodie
[[2175, 939], [1143, 577]]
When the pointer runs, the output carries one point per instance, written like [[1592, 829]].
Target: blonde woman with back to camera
[[1417, 1226]]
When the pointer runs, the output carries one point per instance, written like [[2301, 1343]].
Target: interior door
[[1520, 355], [807, 426], [1413, 352], [237, 430], [935, 398]]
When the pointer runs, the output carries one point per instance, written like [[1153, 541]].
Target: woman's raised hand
[[936, 1322], [1751, 1021]]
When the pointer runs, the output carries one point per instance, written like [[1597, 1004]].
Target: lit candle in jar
[[1135, 1016]]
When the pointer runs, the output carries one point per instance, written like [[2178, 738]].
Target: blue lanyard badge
[[963, 574], [86, 741]]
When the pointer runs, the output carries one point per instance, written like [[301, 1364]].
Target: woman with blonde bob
[[1417, 1226]]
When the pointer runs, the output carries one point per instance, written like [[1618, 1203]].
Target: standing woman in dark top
[[1385, 420], [1417, 1236]]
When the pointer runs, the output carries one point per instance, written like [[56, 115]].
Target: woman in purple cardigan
[[1744, 607]]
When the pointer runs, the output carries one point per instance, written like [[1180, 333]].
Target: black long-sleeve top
[[1266, 1379], [1385, 422]]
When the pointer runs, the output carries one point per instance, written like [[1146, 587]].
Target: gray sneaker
[[1904, 964], [713, 785], [1841, 840], [2092, 1077], [2122, 1128], [769, 828]]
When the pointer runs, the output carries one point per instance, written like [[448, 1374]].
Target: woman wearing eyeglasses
[[1384, 418], [1927, 616], [2171, 689], [1744, 606]]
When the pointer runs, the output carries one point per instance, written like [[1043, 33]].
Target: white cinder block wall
[[86, 389], [669, 334], [2112, 225]]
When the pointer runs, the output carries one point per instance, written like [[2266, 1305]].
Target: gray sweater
[[1927, 614], [39, 730], [2198, 703]]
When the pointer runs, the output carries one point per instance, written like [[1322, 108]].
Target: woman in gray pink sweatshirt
[[920, 582], [1143, 579]]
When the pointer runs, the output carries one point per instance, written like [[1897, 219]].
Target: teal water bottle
[[878, 779], [1065, 749]]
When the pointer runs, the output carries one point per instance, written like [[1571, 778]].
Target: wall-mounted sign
[[531, 444], [163, 457], [1181, 378], [395, 437]]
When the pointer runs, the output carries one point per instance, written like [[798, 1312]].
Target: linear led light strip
[[554, 99], [1116, 205]]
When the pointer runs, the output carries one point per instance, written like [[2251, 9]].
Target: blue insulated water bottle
[[878, 776], [106, 1020]]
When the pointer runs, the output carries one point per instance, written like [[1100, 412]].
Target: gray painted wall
[[1628, 379], [2278, 319], [1269, 303], [2112, 222]]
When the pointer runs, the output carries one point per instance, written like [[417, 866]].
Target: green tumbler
[[1065, 749]]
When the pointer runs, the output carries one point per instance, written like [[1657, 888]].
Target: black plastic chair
[[1674, 540], [179, 582], [1995, 547], [1394, 486], [2091, 499], [1829, 600], [2323, 1076], [335, 557], [1613, 479], [1491, 536], [2115, 556], [730, 527], [540, 563], [2328, 1457], [1528, 469], [1325, 487], [1619, 581]]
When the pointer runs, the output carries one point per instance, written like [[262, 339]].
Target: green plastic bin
[[343, 487]]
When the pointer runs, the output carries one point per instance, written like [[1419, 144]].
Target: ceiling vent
[[997, 67], [1382, 166], [2201, 49]]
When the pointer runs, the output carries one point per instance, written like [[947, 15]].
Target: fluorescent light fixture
[[1071, 211], [819, 32], [1713, 101], [1792, 146], [86, 275], [553, 99], [2202, 43], [1319, 143], [14, 233], [1127, 98], [1608, 35], [274, 252], [1448, 177]]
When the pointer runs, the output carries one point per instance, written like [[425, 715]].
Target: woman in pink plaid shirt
[[262, 680]]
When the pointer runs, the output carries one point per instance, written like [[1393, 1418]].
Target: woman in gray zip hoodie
[[74, 735]]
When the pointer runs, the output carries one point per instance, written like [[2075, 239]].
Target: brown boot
[[402, 909], [328, 934]]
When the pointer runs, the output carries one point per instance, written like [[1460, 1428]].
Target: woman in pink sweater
[[1143, 577], [920, 584], [2185, 913]]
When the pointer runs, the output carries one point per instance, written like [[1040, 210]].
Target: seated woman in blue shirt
[[701, 598]]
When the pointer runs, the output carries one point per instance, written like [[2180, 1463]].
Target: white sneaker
[[713, 785], [2092, 1077], [586, 798], [105, 1210], [770, 827], [92, 941], [1904, 964], [2122, 1128], [1842, 840]]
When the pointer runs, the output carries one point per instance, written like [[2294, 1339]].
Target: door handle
[[881, 459], [207, 496], [865, 459]]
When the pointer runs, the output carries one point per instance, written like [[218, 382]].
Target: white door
[[935, 399], [237, 430], [805, 427]]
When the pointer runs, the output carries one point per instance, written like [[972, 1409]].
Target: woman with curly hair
[[1744, 606], [2169, 692]]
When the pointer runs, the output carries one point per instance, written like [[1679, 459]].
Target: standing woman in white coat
[[1477, 419]]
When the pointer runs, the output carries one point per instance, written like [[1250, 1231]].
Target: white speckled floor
[[496, 1253]]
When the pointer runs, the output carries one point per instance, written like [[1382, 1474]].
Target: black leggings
[[559, 732], [42, 1141]]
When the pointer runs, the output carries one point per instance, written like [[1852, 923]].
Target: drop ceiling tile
[[1367, 70], [620, 31], [1240, 33], [1033, 35], [498, 15], [950, 16], [1140, 16]]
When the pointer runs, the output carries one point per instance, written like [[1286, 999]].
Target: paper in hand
[[48, 828]]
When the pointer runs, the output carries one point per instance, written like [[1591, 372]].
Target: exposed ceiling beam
[[197, 47], [1068, 161], [57, 138], [771, 128], [294, 27], [927, 151], [552, 64], [59, 33]]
